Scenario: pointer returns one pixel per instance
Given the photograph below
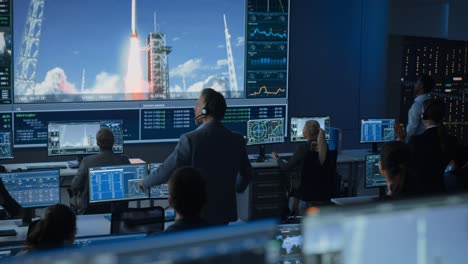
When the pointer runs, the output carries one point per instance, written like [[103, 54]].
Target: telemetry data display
[[39, 188], [116, 183], [265, 131], [377, 130], [373, 176]]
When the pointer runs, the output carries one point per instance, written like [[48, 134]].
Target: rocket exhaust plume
[[134, 83], [134, 33]]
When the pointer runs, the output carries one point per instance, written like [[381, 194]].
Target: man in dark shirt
[[187, 195], [80, 185]]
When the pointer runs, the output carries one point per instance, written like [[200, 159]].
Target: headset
[[204, 111]]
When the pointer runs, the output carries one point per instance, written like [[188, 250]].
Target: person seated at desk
[[187, 195], [456, 174], [79, 199], [432, 150], [309, 158], [395, 166], [57, 229]]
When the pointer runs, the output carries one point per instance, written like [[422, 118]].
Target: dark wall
[[337, 68]]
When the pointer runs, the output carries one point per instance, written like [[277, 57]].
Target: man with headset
[[432, 150], [219, 154]]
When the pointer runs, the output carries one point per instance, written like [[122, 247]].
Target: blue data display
[[33, 188], [373, 176], [116, 183], [377, 130]]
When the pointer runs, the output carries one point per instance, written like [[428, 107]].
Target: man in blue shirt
[[422, 88]]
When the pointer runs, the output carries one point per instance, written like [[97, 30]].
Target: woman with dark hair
[[395, 166], [56, 229]]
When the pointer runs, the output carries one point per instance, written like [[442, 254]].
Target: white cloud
[[220, 46], [240, 41], [105, 83], [220, 64], [55, 82], [218, 82], [187, 68]]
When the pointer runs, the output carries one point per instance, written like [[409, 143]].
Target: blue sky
[[94, 34]]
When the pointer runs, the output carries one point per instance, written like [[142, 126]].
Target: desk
[[87, 225], [346, 201]]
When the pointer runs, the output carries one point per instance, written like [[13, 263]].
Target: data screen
[[116, 183], [265, 131], [377, 130], [6, 145], [290, 239], [373, 176], [79, 138], [39, 188], [298, 123]]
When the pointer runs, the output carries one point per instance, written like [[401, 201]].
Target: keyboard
[[46, 166]]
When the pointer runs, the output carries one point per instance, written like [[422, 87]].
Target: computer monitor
[[159, 191], [377, 131], [33, 189], [265, 131], [290, 239], [79, 138], [298, 123], [373, 177], [6, 145], [116, 183]]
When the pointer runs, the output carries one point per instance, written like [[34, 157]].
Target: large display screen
[[142, 61]]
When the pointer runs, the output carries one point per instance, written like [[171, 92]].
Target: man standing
[[422, 88], [219, 154]]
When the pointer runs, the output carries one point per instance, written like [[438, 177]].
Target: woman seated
[[395, 166], [309, 159], [56, 229]]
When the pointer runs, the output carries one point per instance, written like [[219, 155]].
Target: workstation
[[352, 68]]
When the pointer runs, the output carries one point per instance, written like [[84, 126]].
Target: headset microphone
[[198, 116]]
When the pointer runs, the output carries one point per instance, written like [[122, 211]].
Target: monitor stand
[[261, 153], [26, 217], [375, 148], [382, 192]]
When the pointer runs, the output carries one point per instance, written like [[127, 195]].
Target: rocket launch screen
[[144, 61]]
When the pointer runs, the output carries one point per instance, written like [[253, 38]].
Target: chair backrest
[[317, 180], [138, 220]]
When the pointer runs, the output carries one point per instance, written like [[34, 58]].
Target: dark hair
[[188, 192], [56, 227], [434, 110], [427, 82], [215, 103], [395, 158], [105, 138]]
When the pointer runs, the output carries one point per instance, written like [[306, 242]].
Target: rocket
[[134, 33]]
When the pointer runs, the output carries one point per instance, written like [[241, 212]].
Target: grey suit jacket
[[221, 157], [80, 184]]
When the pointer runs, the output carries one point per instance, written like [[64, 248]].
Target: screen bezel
[[376, 119], [90, 169], [84, 122], [55, 171]]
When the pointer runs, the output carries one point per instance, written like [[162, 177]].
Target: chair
[[138, 220]]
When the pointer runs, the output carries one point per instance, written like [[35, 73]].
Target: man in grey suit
[[80, 186], [219, 154]]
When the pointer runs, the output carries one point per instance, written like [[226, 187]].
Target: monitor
[[377, 130], [298, 123], [116, 183], [290, 238], [373, 177], [79, 138], [265, 131], [159, 191], [241, 243], [33, 189], [6, 145]]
